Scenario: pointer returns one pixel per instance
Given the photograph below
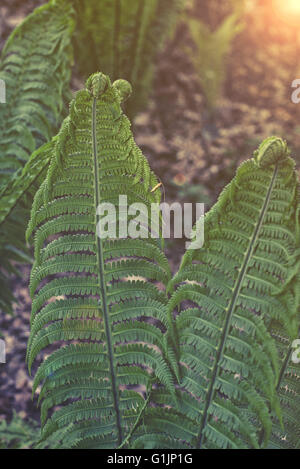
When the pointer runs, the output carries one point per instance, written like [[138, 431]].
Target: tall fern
[[210, 51], [15, 199], [98, 300], [124, 37], [35, 65], [228, 295]]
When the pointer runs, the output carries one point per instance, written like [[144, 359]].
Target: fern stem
[[116, 64], [231, 307], [136, 39], [137, 422], [284, 367], [11, 207], [102, 280], [280, 378]]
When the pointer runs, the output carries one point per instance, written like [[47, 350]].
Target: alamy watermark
[[295, 97], [296, 353], [2, 91], [141, 220], [2, 351]]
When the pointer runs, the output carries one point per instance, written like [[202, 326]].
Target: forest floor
[[194, 152]]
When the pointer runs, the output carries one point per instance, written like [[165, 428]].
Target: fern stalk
[[232, 305], [101, 276]]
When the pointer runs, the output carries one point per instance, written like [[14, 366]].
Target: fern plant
[[287, 435], [25, 434], [229, 295], [18, 434], [16, 198], [117, 332], [209, 52], [133, 31], [110, 326], [136, 358], [35, 65]]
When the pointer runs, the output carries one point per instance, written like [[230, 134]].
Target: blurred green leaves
[[209, 52]]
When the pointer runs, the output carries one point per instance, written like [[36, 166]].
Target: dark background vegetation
[[193, 150]]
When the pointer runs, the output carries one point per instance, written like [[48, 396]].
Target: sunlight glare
[[290, 7]]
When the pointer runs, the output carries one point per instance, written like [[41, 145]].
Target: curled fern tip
[[124, 89], [97, 84], [271, 151]]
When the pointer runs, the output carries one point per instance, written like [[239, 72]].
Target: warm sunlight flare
[[288, 7]]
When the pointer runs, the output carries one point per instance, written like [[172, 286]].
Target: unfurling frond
[[100, 302]]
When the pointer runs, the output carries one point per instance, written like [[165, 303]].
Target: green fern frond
[[35, 66], [18, 433], [25, 181], [108, 328], [287, 435], [15, 198], [132, 30], [210, 51], [228, 294]]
